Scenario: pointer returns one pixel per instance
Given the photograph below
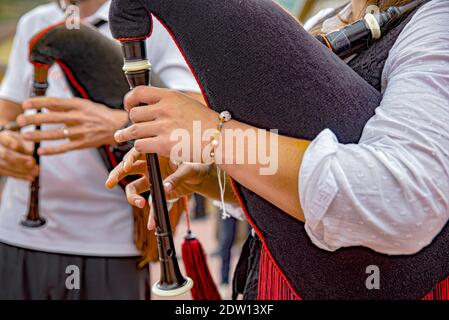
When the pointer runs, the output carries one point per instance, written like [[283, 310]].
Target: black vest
[[369, 64]]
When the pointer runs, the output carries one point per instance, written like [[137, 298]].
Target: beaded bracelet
[[224, 117]]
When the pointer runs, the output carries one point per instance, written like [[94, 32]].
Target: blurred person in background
[[87, 226]]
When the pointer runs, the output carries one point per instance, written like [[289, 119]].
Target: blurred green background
[[10, 12], [11, 9]]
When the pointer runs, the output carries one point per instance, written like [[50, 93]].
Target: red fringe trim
[[272, 284], [440, 292]]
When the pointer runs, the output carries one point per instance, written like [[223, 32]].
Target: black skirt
[[34, 275]]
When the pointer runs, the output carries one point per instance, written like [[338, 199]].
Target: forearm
[[209, 187], [279, 184], [9, 111], [273, 176]]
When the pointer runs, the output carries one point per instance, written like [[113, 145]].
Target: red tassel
[[272, 283], [195, 263]]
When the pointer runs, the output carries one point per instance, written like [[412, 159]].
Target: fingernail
[[109, 183], [30, 163], [125, 167], [140, 203], [151, 225], [168, 186], [118, 135]]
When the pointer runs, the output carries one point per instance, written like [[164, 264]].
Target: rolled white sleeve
[[17, 81], [390, 192]]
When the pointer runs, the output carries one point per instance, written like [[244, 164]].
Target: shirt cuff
[[317, 185], [12, 95]]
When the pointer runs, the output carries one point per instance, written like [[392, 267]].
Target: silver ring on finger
[[66, 133]]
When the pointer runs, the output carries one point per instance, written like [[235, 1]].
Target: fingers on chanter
[[119, 172], [130, 158], [133, 191], [142, 95]]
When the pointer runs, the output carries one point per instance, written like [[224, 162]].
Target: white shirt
[[390, 192], [83, 217]]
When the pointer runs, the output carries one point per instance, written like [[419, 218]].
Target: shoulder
[[424, 39], [439, 7], [40, 17], [428, 27], [312, 21]]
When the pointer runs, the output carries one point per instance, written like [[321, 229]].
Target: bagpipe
[[92, 65], [361, 34], [249, 58], [137, 69]]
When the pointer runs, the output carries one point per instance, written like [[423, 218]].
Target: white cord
[[222, 185]]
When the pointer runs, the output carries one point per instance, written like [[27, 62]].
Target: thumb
[[151, 222], [11, 140], [177, 178], [28, 147]]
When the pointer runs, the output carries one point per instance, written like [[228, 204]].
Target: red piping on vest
[[262, 239]]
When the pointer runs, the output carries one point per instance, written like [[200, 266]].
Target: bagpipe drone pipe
[[254, 59], [92, 65]]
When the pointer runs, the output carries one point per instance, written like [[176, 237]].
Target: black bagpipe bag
[[249, 57], [92, 64]]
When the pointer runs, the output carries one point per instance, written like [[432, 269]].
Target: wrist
[[120, 120], [215, 147]]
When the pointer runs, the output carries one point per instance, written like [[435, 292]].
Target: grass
[[11, 10]]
